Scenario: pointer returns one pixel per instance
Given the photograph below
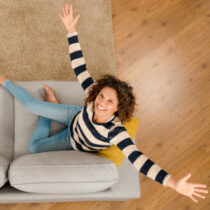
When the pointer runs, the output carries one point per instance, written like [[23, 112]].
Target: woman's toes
[[49, 88], [46, 87]]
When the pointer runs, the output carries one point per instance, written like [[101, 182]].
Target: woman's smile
[[100, 108]]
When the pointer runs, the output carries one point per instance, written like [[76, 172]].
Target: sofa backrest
[[67, 92]]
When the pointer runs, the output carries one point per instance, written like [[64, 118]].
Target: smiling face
[[106, 104]]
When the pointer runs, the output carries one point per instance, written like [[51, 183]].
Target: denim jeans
[[39, 141]]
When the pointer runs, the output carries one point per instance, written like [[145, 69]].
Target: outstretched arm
[[77, 60], [119, 137]]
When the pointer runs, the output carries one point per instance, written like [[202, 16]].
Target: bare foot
[[50, 95], [2, 78]]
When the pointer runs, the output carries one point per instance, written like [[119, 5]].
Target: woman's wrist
[[171, 183], [72, 30]]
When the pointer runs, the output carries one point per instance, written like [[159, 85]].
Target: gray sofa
[[54, 176]]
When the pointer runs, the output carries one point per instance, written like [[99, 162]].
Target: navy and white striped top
[[87, 135]]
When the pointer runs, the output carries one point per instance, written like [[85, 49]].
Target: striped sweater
[[90, 136]]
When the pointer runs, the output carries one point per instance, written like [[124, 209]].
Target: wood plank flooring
[[162, 49]]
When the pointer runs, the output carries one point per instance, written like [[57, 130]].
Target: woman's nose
[[103, 103]]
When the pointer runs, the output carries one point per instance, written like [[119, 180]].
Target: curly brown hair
[[126, 97]]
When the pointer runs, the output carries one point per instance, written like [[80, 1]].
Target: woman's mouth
[[100, 108]]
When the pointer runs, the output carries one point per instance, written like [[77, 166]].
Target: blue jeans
[[39, 141]]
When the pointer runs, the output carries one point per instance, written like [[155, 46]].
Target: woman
[[109, 102]]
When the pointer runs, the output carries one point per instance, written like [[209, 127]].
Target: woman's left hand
[[190, 189]]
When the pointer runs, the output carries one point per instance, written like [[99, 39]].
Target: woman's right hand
[[68, 19]]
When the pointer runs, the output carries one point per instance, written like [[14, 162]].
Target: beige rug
[[34, 40]]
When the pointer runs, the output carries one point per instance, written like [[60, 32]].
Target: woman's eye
[[102, 97]]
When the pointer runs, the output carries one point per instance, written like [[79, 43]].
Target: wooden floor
[[163, 49]]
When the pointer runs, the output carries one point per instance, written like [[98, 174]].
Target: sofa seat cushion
[[62, 172], [4, 165]]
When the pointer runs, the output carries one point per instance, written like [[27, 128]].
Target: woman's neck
[[97, 120]]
